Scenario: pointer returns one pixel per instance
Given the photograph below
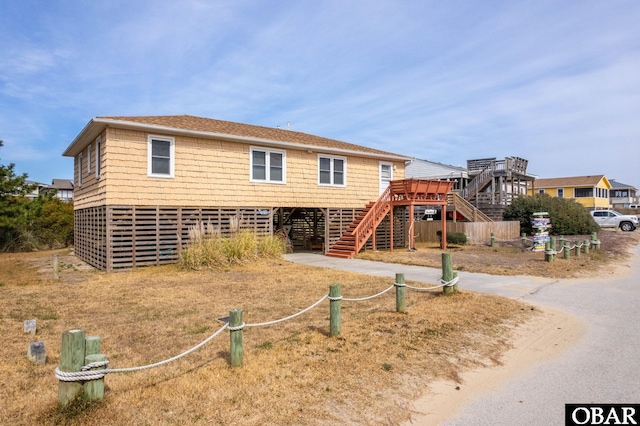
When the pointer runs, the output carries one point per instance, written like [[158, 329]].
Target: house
[[622, 195], [141, 182], [483, 189], [37, 188], [63, 189], [590, 191]]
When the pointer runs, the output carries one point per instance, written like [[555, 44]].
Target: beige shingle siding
[[90, 193], [212, 172]]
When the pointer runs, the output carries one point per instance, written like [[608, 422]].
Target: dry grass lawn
[[508, 258], [294, 373]]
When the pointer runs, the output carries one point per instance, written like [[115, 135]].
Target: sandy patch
[[540, 340]]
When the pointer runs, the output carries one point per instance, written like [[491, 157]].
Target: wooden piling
[[93, 389], [567, 249], [334, 310], [586, 246], [493, 239], [71, 360], [236, 338], [401, 302], [56, 273], [448, 274]]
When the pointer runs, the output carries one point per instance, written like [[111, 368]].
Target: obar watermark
[[601, 414]]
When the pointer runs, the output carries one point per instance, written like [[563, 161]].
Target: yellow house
[[590, 191], [142, 182]]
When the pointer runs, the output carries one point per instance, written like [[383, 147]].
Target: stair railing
[[372, 219]]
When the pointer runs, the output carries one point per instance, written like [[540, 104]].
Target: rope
[[77, 376], [360, 299], [425, 288], [326, 296], [551, 252], [453, 282]]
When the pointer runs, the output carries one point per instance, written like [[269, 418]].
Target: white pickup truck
[[613, 219]]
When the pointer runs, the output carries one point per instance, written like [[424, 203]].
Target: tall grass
[[208, 249]]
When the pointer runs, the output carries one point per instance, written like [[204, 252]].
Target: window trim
[[560, 192], [98, 157], [268, 152], [172, 156], [89, 158], [80, 170], [332, 159]]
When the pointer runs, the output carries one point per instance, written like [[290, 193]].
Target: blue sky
[[555, 82]]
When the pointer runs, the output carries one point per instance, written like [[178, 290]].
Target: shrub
[[454, 237], [568, 217]]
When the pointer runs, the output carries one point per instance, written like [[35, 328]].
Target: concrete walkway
[[603, 367]]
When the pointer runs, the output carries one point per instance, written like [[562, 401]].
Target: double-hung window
[[160, 156], [89, 158], [80, 170], [268, 165], [332, 171]]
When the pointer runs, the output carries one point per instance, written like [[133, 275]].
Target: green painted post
[[401, 302], [547, 255], [334, 310], [577, 250], [561, 241], [523, 238], [236, 338], [71, 359], [586, 246], [554, 248], [567, 249], [93, 389], [448, 274], [493, 239]]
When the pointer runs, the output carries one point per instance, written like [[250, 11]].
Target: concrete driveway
[[602, 367]]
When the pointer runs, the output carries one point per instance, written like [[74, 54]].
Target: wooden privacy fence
[[82, 367], [425, 231]]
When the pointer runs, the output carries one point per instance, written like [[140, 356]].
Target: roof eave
[[97, 125]]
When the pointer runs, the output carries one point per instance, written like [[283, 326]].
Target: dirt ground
[[509, 258]]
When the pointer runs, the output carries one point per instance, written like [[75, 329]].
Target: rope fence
[[82, 368], [551, 250]]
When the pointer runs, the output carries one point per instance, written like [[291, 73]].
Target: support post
[[71, 360], [391, 226], [448, 274], [554, 248], [567, 249], [586, 246], [493, 239], [523, 238], [236, 338], [577, 250], [401, 302], [412, 242], [334, 310], [56, 272], [443, 219]]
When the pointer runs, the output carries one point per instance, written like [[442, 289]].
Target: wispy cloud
[[550, 81]]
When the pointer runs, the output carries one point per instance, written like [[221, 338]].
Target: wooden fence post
[[523, 238], [554, 248], [93, 389], [448, 274], [577, 249], [561, 242], [548, 257], [493, 239], [567, 249], [586, 246], [334, 310], [236, 338], [56, 273], [71, 360], [401, 302]]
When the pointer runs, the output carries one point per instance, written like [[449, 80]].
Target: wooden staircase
[[361, 229], [478, 183], [467, 209]]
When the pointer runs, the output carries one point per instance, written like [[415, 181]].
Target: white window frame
[[268, 152], [98, 157], [540, 191], [560, 192], [380, 165], [332, 159], [89, 158], [172, 156], [80, 170]]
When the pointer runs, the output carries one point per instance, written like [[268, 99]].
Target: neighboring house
[[142, 182], [63, 188], [37, 189], [425, 169], [622, 195], [590, 191]]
